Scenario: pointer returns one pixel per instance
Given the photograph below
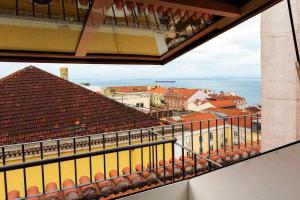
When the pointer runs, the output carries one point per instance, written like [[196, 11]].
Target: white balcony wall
[[273, 176]]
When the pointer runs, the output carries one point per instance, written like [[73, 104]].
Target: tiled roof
[[183, 93], [223, 103], [226, 97], [230, 112], [197, 117], [40, 104], [141, 179], [253, 109], [129, 89], [160, 90], [239, 118]]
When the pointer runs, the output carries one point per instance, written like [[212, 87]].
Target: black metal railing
[[162, 154]]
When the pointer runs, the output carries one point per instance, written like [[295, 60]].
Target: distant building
[[185, 99], [157, 96], [96, 89], [64, 73], [135, 96], [227, 98], [232, 126], [36, 105]]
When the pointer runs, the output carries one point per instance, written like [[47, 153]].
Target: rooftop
[[180, 92], [159, 90], [47, 106], [223, 103]]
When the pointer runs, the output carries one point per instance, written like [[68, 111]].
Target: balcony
[[113, 165]]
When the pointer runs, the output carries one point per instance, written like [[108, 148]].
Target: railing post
[[182, 151], [59, 164], [217, 137], [224, 135], [257, 138], [43, 175], [142, 150], [251, 130], [90, 158], [104, 155], [75, 161], [118, 161], [5, 176], [173, 164], [24, 171], [200, 138], [208, 136], [231, 131]]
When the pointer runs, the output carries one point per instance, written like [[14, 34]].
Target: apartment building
[[134, 96], [185, 99], [157, 96]]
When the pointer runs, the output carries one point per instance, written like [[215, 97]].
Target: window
[[236, 134]]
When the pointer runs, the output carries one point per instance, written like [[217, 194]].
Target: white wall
[[133, 99], [280, 82], [274, 176], [177, 191]]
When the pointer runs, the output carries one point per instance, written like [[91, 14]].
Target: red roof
[[253, 109], [223, 103], [183, 93], [159, 90], [36, 105], [129, 89], [226, 97], [197, 117], [237, 115]]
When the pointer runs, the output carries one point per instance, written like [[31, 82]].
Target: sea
[[249, 88]]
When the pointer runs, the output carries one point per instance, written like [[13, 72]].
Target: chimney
[[64, 73]]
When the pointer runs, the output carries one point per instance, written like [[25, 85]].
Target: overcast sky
[[235, 53]]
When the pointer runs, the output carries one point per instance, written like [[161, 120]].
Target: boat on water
[[165, 81]]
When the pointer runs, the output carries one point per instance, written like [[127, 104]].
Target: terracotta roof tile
[[223, 103], [136, 182], [36, 105], [183, 93], [159, 90]]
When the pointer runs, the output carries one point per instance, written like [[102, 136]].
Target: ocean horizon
[[250, 88]]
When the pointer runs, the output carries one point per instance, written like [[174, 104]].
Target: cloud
[[235, 53]]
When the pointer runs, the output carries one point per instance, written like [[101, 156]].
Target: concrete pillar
[[280, 80]]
